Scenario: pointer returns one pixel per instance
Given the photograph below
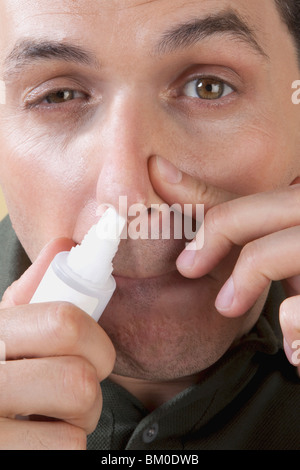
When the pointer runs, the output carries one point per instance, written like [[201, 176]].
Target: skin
[[142, 135]]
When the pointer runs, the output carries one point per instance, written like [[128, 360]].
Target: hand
[[267, 228], [67, 354]]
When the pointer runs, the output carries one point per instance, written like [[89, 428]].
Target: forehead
[[28, 16], [126, 26]]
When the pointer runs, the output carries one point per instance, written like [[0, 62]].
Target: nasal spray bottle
[[83, 276]]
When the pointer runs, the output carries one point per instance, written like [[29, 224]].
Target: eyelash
[[41, 101], [226, 88]]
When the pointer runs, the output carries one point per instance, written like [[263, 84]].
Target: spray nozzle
[[92, 259]]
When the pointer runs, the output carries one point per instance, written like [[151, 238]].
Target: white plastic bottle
[[83, 276]]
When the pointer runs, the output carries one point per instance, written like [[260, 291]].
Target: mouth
[[123, 280], [169, 279], [158, 296]]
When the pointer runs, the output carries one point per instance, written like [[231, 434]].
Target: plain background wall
[[3, 209]]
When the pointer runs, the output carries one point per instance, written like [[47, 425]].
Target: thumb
[[22, 290], [174, 186]]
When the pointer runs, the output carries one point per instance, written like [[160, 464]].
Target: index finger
[[22, 290], [174, 186], [55, 329], [239, 222]]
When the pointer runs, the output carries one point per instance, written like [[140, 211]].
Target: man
[[160, 101]]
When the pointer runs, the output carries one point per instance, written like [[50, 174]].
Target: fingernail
[[168, 171], [186, 259], [226, 295]]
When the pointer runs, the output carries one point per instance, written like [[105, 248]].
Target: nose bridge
[[125, 149]]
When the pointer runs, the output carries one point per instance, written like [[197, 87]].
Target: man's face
[[81, 122]]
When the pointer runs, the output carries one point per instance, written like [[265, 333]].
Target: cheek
[[44, 181], [241, 157]]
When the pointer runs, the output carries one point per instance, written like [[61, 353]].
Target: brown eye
[[210, 89], [207, 89], [61, 96]]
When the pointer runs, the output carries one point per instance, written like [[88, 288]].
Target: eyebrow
[[30, 50], [181, 36], [192, 32]]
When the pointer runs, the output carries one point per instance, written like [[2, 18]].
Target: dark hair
[[290, 13]]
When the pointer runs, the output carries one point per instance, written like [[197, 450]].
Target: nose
[[125, 144]]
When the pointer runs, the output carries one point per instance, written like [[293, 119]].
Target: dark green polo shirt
[[248, 400]]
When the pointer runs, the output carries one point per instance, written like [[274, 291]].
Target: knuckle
[[64, 324], [215, 217], [201, 190], [8, 296], [109, 361], [248, 256], [74, 438], [80, 384]]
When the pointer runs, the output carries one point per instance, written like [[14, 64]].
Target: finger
[[56, 329], [29, 435], [175, 186], [239, 222], [66, 388], [270, 258], [289, 316], [22, 290]]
